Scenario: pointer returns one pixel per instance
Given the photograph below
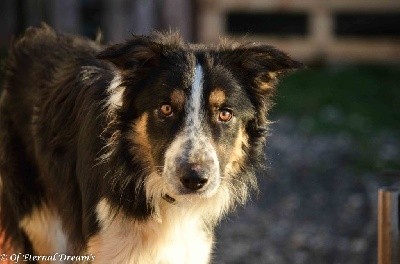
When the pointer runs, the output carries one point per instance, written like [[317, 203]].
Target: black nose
[[193, 180]]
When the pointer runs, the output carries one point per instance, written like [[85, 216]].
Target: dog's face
[[193, 116], [196, 127]]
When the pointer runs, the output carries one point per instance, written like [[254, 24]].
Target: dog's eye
[[166, 110], [225, 115]]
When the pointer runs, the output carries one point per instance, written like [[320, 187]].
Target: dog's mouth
[[168, 198]]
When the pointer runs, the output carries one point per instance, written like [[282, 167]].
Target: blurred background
[[336, 132]]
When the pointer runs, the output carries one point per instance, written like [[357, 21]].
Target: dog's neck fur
[[176, 236]]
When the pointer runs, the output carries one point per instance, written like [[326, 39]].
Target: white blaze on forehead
[[192, 145], [194, 113]]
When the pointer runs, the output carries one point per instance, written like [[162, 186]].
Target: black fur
[[59, 145]]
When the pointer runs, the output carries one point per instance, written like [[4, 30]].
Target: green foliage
[[361, 102], [354, 98]]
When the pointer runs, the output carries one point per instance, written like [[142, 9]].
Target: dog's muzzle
[[191, 168]]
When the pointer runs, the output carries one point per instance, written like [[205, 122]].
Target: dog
[[133, 152]]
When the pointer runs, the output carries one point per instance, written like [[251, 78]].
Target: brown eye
[[166, 110], [225, 115]]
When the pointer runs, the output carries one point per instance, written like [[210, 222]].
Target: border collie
[[129, 153]]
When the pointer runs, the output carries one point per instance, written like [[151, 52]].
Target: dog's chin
[[182, 194]]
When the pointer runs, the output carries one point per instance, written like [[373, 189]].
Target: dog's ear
[[139, 51], [261, 65], [258, 67]]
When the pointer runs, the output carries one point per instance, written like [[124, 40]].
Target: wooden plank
[[388, 226], [321, 42], [303, 5]]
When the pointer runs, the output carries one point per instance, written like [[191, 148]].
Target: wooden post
[[388, 226]]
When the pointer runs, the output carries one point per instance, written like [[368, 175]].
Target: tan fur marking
[[237, 157], [217, 97], [270, 84], [178, 99], [140, 139], [263, 85], [273, 75]]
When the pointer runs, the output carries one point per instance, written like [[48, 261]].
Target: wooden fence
[[388, 225], [323, 22]]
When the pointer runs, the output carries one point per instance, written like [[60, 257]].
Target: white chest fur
[[178, 239], [43, 227]]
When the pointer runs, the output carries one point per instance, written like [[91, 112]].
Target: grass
[[362, 101], [368, 93]]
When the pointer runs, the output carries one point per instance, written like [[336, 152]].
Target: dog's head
[[192, 117]]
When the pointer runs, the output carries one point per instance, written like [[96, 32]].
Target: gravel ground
[[314, 206]]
